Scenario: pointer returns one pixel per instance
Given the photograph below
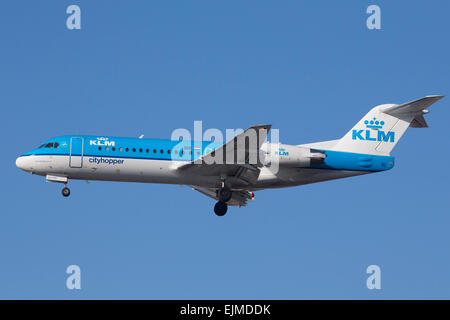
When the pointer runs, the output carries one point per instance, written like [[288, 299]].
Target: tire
[[65, 192], [220, 208]]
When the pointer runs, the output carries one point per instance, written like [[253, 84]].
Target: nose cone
[[22, 163]]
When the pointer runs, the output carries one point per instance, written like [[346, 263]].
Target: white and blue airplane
[[364, 149]]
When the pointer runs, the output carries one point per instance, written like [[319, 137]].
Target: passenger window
[[176, 152], [127, 149], [113, 149], [162, 151], [106, 148], [134, 149], [154, 150], [140, 150], [148, 150], [120, 149], [168, 151], [99, 148]]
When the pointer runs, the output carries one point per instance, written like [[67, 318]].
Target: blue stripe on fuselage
[[97, 146], [339, 160]]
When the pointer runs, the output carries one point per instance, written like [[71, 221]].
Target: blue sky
[[310, 68]]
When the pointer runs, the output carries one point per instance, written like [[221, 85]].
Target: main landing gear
[[65, 191], [224, 195]]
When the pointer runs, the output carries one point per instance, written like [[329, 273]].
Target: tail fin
[[380, 129]]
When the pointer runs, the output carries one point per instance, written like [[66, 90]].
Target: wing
[[239, 197], [238, 159]]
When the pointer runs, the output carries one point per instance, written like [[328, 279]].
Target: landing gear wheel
[[65, 192], [220, 208], [224, 194]]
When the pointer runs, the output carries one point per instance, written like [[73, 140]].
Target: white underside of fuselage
[[165, 171]]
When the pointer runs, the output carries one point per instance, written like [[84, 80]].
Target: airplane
[[229, 173]]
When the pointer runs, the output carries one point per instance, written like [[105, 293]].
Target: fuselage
[[157, 161]]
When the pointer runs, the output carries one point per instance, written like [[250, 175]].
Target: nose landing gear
[[60, 179]]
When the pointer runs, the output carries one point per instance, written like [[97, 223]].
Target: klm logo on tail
[[373, 132]]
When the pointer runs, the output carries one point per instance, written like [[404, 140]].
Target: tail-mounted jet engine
[[292, 156]]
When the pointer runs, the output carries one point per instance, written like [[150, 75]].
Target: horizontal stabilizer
[[412, 107]]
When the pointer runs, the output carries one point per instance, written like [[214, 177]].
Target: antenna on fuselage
[[141, 136]]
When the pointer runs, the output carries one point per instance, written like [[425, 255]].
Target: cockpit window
[[49, 145]]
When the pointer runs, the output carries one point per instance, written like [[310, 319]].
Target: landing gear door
[[76, 152]]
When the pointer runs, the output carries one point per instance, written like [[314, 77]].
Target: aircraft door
[[76, 152]]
